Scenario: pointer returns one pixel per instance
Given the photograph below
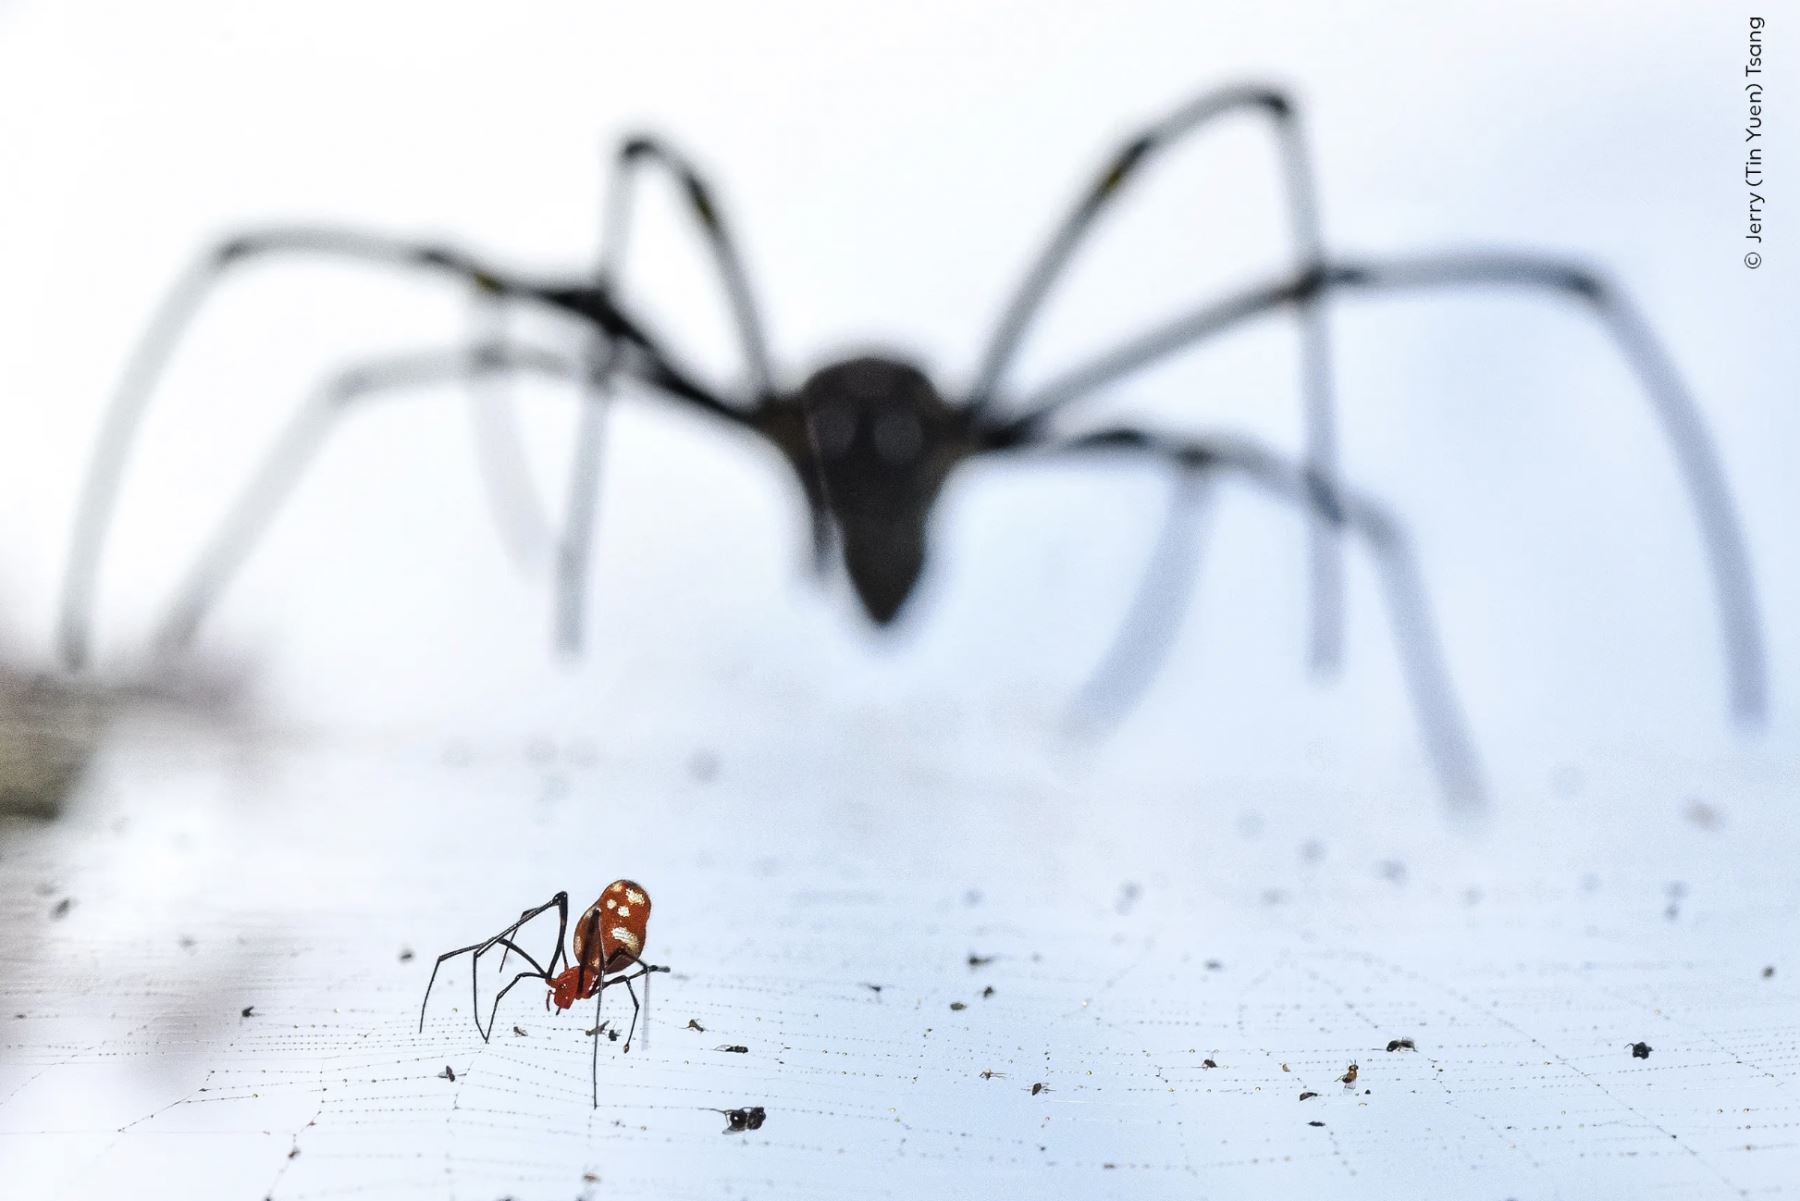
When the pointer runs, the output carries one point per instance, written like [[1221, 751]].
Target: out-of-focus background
[[890, 174]]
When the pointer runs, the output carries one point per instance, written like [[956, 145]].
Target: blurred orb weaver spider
[[871, 438]]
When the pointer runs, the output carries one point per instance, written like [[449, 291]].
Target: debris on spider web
[[739, 1120]]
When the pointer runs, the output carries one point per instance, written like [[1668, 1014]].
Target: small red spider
[[609, 938]]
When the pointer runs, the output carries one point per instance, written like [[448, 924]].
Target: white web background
[[422, 770], [1278, 940]]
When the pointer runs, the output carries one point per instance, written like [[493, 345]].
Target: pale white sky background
[[890, 171]]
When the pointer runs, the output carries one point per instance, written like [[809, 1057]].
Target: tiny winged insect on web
[[608, 942], [871, 439]]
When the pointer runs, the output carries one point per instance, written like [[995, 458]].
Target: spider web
[[227, 1005]]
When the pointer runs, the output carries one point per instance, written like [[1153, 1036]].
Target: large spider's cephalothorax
[[883, 442]]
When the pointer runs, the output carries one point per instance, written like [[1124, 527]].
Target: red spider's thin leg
[[599, 999], [494, 1011], [559, 902], [647, 976], [635, 1008], [644, 972], [539, 973], [562, 928]]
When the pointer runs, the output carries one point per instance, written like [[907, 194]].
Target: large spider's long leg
[[1721, 532], [118, 430], [633, 155], [520, 516], [1324, 564], [1441, 720], [1149, 627], [559, 902], [574, 548], [293, 451], [639, 151], [503, 462]]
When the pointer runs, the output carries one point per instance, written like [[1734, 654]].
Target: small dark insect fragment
[[519, 1031], [987, 992], [875, 988], [1308, 1096], [976, 961], [1039, 1087], [1401, 1044], [739, 1120], [1640, 1050], [990, 1073], [957, 1006], [449, 1073], [294, 1153], [406, 954], [1208, 1063], [247, 1011], [61, 909], [1768, 972], [693, 1025], [1315, 1123], [733, 1048], [1349, 1076]]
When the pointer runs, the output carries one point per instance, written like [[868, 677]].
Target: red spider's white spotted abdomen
[[610, 935]]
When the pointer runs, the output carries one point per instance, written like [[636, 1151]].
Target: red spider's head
[[884, 441], [566, 988]]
